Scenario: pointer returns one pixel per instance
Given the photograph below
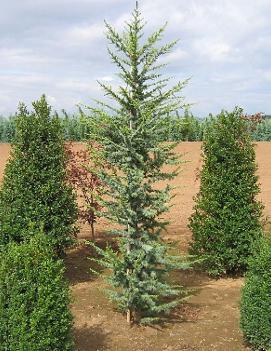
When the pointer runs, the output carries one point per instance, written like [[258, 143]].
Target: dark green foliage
[[34, 188], [129, 133], [7, 129], [183, 128], [75, 129], [34, 299], [176, 128], [227, 216], [256, 299]]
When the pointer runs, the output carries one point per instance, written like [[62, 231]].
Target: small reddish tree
[[253, 121], [82, 176]]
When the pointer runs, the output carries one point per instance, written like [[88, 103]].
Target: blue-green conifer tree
[[129, 132]]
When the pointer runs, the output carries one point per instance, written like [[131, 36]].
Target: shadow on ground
[[80, 260], [90, 338]]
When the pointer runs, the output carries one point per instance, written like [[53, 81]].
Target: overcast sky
[[58, 47]]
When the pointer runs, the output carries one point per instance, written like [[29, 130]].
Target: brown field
[[208, 321]]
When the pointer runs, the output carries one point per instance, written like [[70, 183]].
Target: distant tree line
[[179, 127], [74, 128]]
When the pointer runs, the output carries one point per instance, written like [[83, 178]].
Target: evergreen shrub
[[227, 215], [34, 299], [35, 188], [256, 299]]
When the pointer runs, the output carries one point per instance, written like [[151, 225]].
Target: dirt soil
[[207, 321]]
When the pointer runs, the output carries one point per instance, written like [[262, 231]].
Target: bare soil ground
[[208, 321]]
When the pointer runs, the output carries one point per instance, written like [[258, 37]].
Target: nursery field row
[[189, 182], [176, 128]]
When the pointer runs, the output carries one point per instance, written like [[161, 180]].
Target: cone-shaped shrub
[[256, 299], [227, 216], [34, 188], [34, 299]]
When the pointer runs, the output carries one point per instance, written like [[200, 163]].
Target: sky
[[58, 47]]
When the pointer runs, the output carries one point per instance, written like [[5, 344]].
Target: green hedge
[[34, 299], [227, 215], [256, 299], [34, 187]]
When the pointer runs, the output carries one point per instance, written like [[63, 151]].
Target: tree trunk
[[92, 221], [128, 272], [129, 316], [92, 230], [129, 311]]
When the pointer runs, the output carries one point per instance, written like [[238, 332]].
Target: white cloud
[[106, 78], [74, 84], [20, 56], [51, 99], [85, 33], [176, 56], [212, 50], [22, 80], [265, 75], [58, 47]]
